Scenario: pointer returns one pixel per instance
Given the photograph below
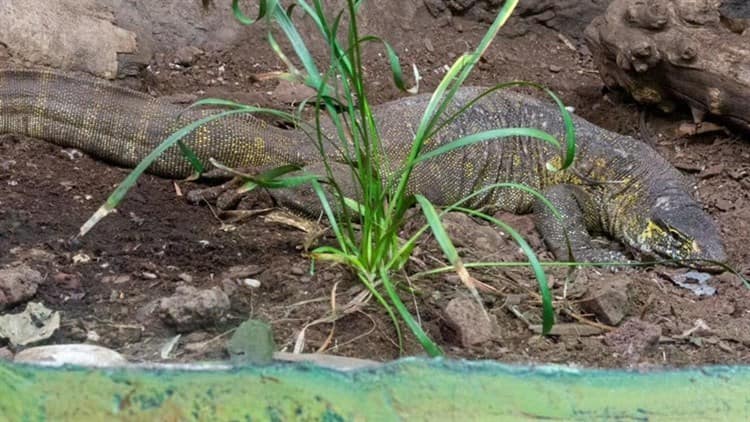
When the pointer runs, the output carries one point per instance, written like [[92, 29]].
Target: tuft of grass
[[372, 248]]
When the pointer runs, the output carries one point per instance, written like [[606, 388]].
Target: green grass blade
[[122, 189], [566, 116], [548, 312], [246, 20], [487, 135], [449, 250], [429, 346]]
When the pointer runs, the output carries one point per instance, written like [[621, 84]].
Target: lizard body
[[619, 186]]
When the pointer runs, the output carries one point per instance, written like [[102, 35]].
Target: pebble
[[17, 284], [467, 323], [190, 308], [608, 300], [723, 204], [633, 338], [555, 68], [711, 171], [187, 55]]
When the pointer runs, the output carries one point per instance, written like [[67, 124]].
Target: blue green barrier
[[409, 389]]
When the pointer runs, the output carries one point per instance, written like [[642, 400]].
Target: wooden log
[[668, 51]]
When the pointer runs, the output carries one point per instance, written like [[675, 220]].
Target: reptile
[[618, 185]]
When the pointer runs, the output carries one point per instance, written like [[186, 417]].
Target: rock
[[633, 338], [252, 342], [555, 68], [711, 171], [66, 34], [17, 284], [608, 300], [5, 353], [187, 55], [239, 272], [466, 322], [190, 308], [71, 354], [481, 240], [240, 276], [723, 204], [292, 93], [34, 324], [436, 7]]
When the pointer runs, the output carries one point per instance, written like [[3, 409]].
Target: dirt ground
[[157, 241]]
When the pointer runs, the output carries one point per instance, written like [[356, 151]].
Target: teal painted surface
[[410, 389]]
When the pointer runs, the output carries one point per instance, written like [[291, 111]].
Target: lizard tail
[[122, 126]]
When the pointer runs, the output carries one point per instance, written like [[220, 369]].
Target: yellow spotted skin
[[618, 185]]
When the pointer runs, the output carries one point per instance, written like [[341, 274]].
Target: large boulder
[[66, 34]]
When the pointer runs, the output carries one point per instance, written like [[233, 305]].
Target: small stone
[[466, 322], [252, 342], [67, 281], [292, 93], [241, 271], [71, 354], [711, 171], [93, 336], [116, 279], [555, 68], [723, 204], [608, 300], [146, 275], [187, 55], [297, 270], [251, 283], [5, 353], [17, 284], [436, 7], [482, 240], [633, 338], [190, 308]]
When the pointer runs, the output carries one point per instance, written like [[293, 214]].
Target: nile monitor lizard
[[618, 185]]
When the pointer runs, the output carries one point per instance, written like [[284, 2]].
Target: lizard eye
[[677, 235]]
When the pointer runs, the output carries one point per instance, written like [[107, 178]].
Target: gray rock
[[35, 323], [65, 34], [633, 338], [17, 284], [608, 300], [71, 354], [466, 323], [190, 308], [252, 342]]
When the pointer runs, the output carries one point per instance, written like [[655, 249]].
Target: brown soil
[[157, 241]]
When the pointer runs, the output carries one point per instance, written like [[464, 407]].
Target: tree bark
[[668, 51]]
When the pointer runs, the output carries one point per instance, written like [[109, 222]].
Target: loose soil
[[156, 241]]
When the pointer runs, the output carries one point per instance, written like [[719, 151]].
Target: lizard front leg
[[580, 218]]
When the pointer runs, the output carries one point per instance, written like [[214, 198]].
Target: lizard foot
[[227, 196], [603, 257]]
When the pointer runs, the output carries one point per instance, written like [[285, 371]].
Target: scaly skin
[[618, 186]]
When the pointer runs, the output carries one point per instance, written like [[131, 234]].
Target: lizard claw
[[227, 196]]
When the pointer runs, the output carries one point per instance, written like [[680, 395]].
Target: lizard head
[[685, 233]]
